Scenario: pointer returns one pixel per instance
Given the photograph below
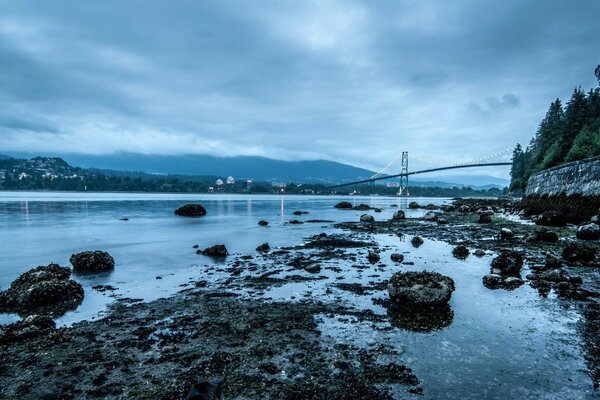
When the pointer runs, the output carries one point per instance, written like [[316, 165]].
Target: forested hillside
[[567, 133]]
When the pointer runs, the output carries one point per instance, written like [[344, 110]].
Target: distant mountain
[[477, 181], [243, 167]]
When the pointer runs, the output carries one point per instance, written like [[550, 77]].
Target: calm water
[[499, 344]]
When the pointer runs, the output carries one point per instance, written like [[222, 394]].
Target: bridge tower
[[403, 191]]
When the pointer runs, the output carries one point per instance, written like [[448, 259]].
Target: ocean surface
[[499, 344]]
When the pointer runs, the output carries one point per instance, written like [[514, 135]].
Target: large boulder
[[413, 204], [92, 261], [578, 252], [191, 210], [398, 216], [420, 289], [218, 250], [589, 231], [551, 218], [344, 205], [42, 290], [509, 262]]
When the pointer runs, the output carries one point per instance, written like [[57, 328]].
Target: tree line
[[567, 133]]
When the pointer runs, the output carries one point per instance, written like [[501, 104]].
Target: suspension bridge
[[400, 163]]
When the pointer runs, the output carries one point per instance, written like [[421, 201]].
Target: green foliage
[[565, 134], [587, 144]]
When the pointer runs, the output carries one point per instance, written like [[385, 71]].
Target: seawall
[[572, 189]]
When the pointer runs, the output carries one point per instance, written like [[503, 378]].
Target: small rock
[[512, 282], [413, 204], [416, 241], [366, 218], [262, 222], [506, 234], [295, 222], [313, 268], [398, 216], [546, 235], [430, 216], [373, 257], [492, 280], [442, 221], [484, 219], [397, 257], [344, 205], [479, 253], [218, 250], [460, 252], [191, 210], [551, 218], [574, 252], [509, 262], [263, 248], [362, 207], [589, 231], [92, 261]]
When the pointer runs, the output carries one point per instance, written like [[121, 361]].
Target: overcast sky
[[355, 82]]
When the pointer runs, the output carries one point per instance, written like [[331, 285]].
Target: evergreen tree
[[587, 144], [576, 116], [597, 72]]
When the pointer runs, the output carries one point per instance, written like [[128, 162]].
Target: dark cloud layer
[[350, 81]]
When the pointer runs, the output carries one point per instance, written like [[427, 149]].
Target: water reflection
[[420, 320]]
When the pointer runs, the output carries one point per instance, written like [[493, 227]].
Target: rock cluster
[[579, 253], [191, 210], [505, 270], [92, 261], [552, 275], [28, 328], [43, 290]]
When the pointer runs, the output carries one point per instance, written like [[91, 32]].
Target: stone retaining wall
[[575, 178]]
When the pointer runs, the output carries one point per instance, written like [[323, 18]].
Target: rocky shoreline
[[237, 341]]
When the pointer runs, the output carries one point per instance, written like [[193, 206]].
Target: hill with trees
[[567, 133]]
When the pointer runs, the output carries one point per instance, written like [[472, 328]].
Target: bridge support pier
[[403, 191]]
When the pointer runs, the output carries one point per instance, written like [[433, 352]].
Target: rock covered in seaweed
[[92, 261], [420, 289], [43, 290]]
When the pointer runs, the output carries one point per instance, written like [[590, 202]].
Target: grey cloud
[[351, 81]]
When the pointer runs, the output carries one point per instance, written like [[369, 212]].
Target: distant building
[[230, 180]]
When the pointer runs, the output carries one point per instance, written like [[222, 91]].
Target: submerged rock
[[295, 222], [416, 241], [218, 250], [344, 205], [589, 231], [191, 210], [460, 252], [92, 261], [421, 320], [42, 290], [420, 289], [575, 252], [479, 253]]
